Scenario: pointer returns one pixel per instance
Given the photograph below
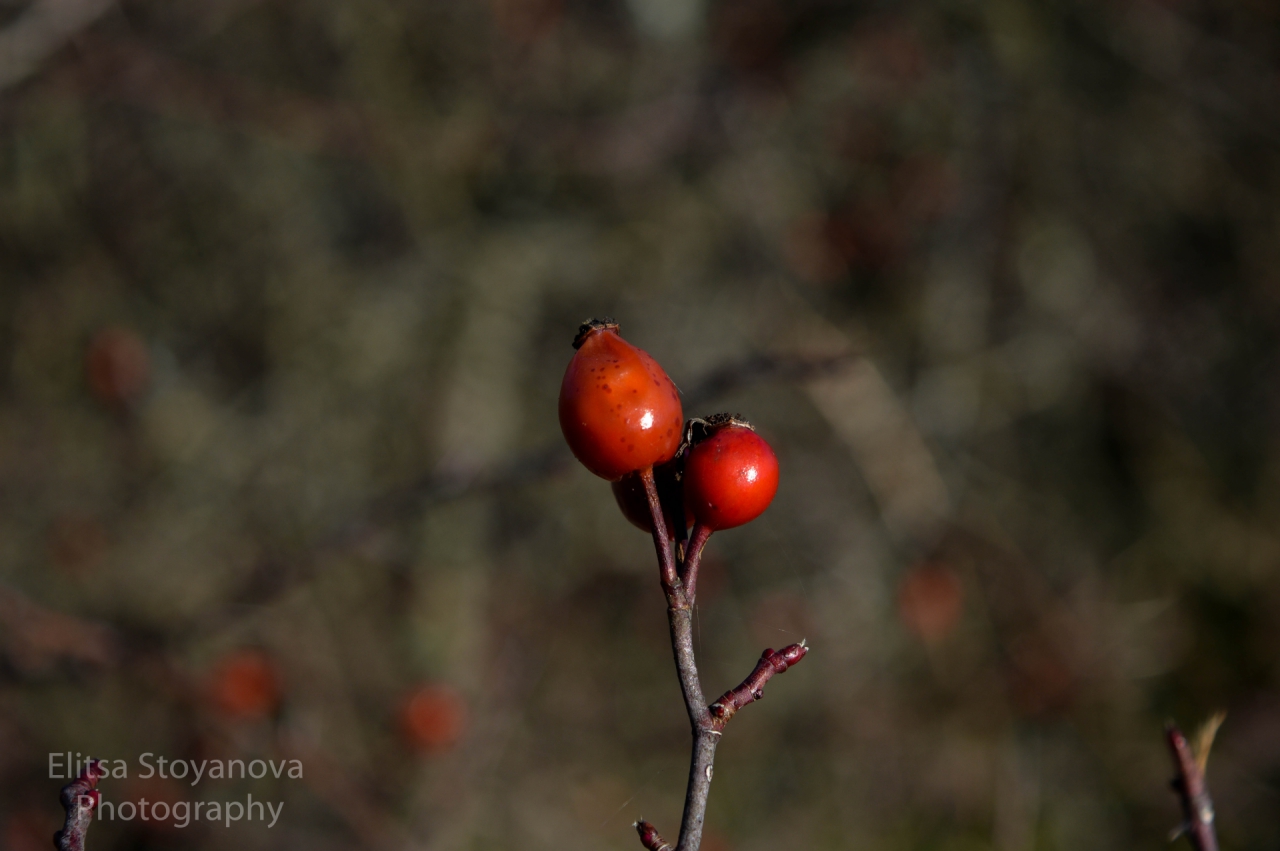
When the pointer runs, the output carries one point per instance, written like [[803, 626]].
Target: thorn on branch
[[79, 798], [650, 838], [752, 688], [1190, 786]]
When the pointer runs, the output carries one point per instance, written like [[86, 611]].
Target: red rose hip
[[618, 410], [730, 476]]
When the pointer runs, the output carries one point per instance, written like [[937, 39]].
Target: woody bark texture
[[706, 725], [80, 798]]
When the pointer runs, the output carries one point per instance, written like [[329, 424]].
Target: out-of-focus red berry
[[634, 502], [930, 600], [730, 476], [118, 367], [433, 717], [246, 685], [618, 410]]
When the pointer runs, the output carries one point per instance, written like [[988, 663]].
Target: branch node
[[752, 688], [79, 798]]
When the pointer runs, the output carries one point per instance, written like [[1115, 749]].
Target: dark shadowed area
[[286, 293]]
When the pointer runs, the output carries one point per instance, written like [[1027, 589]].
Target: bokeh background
[[286, 292]]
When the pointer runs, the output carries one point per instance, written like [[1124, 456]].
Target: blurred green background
[[286, 293]]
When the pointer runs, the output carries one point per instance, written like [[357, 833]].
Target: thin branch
[[679, 573], [662, 543], [797, 368], [689, 571], [752, 688], [34, 638], [1197, 807], [680, 620], [42, 30], [701, 766], [80, 798]]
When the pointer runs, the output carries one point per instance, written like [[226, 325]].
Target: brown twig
[[1197, 807], [752, 688], [662, 543], [689, 570], [80, 798], [679, 583]]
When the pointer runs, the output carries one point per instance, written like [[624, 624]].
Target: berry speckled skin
[[730, 477], [619, 411]]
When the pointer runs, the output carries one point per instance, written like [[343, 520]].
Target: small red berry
[[118, 367], [433, 717], [618, 410], [730, 476], [634, 502], [245, 685], [930, 601]]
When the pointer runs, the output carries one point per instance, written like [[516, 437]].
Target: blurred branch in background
[[42, 29], [34, 639], [315, 255], [1217, 74], [1190, 785], [133, 72], [270, 579]]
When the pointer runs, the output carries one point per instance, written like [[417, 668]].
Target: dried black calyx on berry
[[586, 329], [699, 429], [716, 421]]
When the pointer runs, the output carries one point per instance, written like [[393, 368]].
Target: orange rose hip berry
[[619, 411]]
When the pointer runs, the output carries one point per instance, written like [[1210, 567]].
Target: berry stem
[[678, 568], [680, 619], [662, 543], [693, 558]]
